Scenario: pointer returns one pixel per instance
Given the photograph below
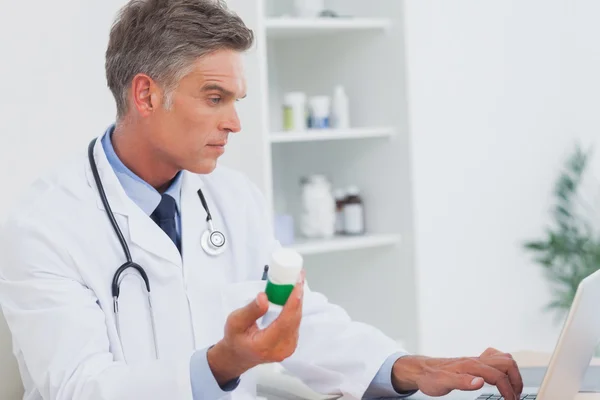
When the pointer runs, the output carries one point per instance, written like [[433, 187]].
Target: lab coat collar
[[117, 198], [143, 232]]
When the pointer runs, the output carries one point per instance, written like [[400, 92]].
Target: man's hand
[[246, 346], [439, 376]]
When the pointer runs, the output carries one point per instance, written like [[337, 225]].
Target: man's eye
[[215, 100]]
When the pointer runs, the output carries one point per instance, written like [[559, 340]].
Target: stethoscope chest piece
[[213, 242]]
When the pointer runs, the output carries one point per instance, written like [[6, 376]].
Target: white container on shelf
[[354, 212], [294, 111], [320, 110], [339, 196], [340, 113], [308, 8], [318, 208]]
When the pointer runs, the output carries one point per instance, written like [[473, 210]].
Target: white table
[[294, 389], [524, 359]]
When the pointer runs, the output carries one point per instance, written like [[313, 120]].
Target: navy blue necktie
[[164, 216]]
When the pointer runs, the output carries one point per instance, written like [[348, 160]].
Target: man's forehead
[[224, 68]]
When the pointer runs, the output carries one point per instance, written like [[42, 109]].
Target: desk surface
[[524, 359], [292, 388]]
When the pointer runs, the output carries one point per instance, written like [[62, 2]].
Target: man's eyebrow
[[219, 88]]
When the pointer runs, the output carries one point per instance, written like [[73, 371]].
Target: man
[[175, 70]]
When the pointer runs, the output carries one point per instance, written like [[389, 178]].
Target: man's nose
[[232, 123]]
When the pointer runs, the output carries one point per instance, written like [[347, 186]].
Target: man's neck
[[137, 155]]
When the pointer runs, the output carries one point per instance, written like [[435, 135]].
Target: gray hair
[[163, 38]]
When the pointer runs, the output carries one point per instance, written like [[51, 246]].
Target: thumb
[[441, 383], [245, 317], [469, 382]]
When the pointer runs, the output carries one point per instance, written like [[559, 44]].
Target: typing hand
[[440, 376], [245, 346]]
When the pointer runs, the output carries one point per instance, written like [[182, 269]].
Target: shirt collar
[[138, 190]]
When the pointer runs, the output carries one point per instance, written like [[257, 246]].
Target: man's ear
[[144, 94]]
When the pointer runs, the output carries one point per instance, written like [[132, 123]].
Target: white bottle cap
[[320, 106], [339, 91], [353, 191], [285, 267], [317, 178], [339, 194], [294, 98]]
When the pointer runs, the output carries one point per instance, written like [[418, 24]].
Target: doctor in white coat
[[174, 67]]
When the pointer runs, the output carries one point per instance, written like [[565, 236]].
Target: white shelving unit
[[331, 134], [293, 27], [345, 243], [363, 51]]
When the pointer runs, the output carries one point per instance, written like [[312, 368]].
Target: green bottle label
[[288, 119], [278, 294]]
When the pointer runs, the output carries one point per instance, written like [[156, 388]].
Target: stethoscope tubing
[[118, 276]]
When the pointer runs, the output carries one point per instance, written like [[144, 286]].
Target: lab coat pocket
[[134, 319]]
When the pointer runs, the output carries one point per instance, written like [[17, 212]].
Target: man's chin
[[203, 168]]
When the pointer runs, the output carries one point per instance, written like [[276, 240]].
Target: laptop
[[574, 350]]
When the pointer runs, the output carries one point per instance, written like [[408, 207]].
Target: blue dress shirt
[[204, 384]]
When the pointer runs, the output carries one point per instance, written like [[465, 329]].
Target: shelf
[[341, 243], [330, 134], [298, 27]]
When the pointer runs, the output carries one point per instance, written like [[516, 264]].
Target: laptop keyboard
[[487, 396]]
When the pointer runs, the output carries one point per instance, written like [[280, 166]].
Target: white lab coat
[[59, 254]]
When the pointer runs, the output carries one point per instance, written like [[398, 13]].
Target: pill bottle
[[309, 8], [294, 111], [340, 200], [318, 208], [340, 109], [284, 271], [320, 110], [354, 212]]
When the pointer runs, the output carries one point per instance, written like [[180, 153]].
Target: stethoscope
[[212, 242]]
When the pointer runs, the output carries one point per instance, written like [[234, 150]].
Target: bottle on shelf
[[320, 110], [318, 208], [340, 198], [340, 112], [294, 111], [354, 213], [308, 8]]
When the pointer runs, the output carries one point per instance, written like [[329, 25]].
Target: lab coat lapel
[[135, 224], [193, 219], [227, 208], [204, 272]]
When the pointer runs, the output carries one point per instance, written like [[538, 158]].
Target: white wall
[[54, 95], [54, 100], [498, 92]]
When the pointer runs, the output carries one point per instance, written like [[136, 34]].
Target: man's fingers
[[245, 317], [490, 351], [287, 323], [491, 375], [508, 366], [291, 312], [441, 382]]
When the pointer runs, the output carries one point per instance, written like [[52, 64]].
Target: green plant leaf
[[570, 248], [538, 246]]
